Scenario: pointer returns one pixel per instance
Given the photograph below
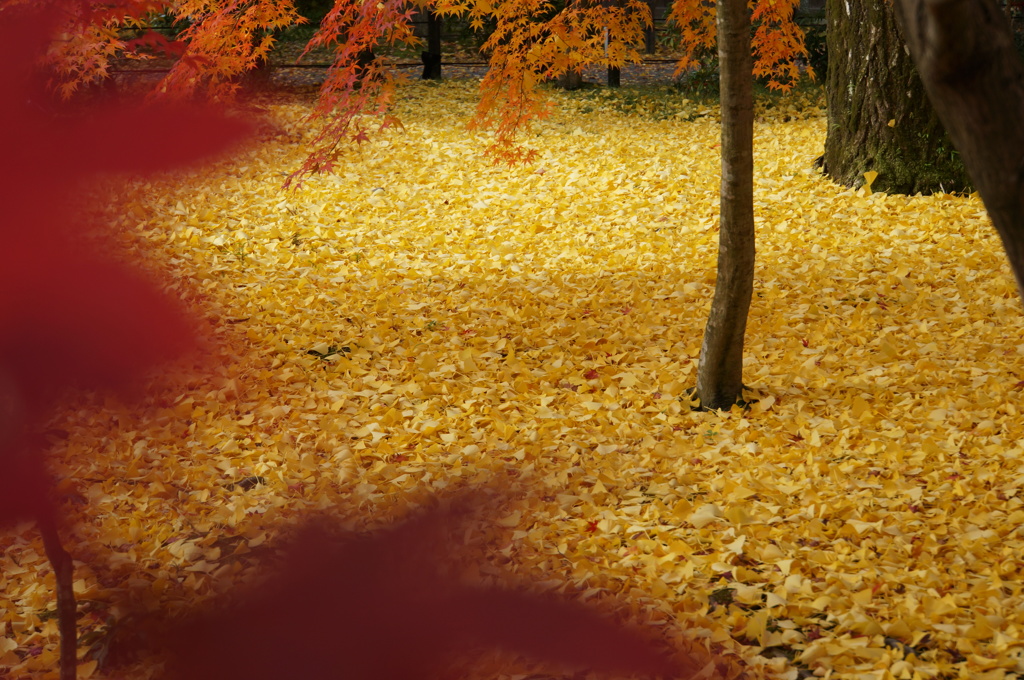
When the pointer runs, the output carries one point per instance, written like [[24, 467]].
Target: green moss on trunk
[[879, 117]]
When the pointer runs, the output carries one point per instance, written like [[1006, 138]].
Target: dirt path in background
[[309, 75], [297, 79]]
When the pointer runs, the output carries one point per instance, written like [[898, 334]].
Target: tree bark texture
[[975, 79], [879, 117], [720, 371]]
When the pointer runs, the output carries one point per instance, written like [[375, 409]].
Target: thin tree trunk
[[24, 463], [67, 609], [975, 79], [879, 118], [720, 372]]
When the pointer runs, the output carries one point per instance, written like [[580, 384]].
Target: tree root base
[[690, 396]]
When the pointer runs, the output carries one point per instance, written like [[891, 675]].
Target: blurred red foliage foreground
[[70, 315], [385, 606]]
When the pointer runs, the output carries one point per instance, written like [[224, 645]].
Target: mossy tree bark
[[879, 117], [720, 370], [975, 79]]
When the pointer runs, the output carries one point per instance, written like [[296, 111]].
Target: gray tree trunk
[[974, 78], [879, 117], [720, 371]]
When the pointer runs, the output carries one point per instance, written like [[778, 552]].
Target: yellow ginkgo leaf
[[869, 178]]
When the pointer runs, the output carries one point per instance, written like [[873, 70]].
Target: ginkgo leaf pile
[[423, 320]]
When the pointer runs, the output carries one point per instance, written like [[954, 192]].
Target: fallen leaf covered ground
[[423, 320]]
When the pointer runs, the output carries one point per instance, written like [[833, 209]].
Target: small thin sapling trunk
[[20, 459], [67, 608], [720, 370]]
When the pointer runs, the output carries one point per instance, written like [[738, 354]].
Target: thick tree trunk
[[720, 372], [975, 79], [879, 117], [432, 57], [570, 80], [614, 72], [259, 76], [364, 66]]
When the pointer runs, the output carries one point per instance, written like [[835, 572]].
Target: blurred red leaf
[[156, 42], [380, 607], [69, 313], [71, 317], [49, 148], [23, 487]]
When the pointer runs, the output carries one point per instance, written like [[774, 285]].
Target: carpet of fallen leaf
[[422, 320]]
